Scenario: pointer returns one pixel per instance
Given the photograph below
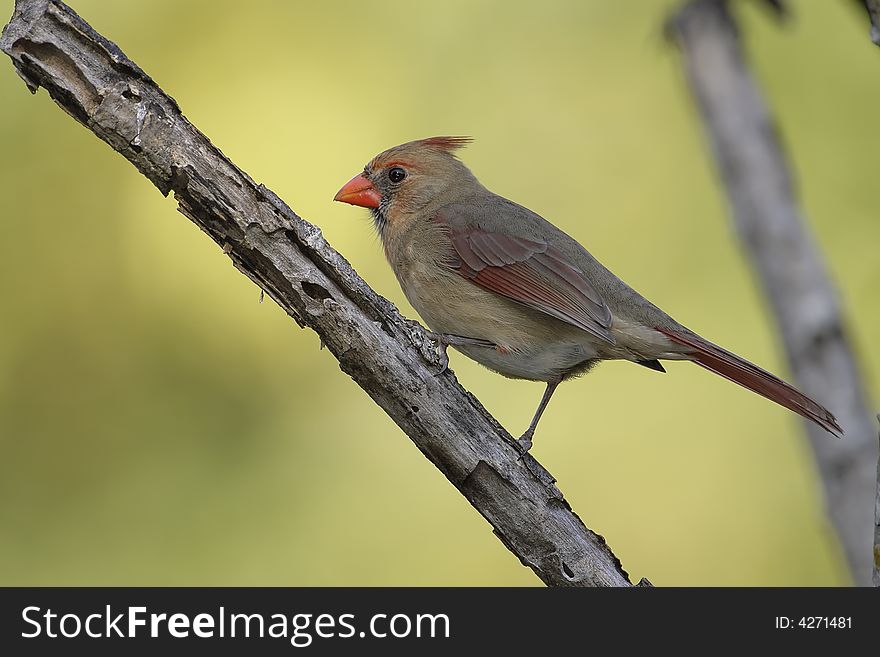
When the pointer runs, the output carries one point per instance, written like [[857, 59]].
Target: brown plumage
[[513, 292]]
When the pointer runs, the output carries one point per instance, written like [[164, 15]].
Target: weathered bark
[[774, 235], [387, 355]]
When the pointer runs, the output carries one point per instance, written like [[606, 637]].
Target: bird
[[508, 289]]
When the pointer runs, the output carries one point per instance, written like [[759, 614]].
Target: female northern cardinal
[[513, 292]]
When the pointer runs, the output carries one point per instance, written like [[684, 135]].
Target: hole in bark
[[824, 336], [179, 179], [64, 77], [567, 571], [315, 291]]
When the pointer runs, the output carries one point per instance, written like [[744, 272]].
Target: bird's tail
[[741, 371]]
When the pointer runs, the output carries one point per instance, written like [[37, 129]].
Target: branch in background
[[787, 262], [877, 525], [873, 9], [387, 355]]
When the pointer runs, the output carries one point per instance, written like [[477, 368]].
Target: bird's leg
[[445, 340], [525, 440]]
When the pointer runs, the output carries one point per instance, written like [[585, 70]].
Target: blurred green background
[[158, 425]]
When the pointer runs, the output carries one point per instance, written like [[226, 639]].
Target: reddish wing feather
[[534, 274]]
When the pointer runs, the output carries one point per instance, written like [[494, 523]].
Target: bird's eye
[[396, 174]]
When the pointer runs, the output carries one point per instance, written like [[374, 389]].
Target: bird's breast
[[531, 344]]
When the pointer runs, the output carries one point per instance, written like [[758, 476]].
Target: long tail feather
[[741, 371]]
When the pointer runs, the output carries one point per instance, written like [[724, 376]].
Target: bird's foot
[[524, 443], [443, 357], [440, 350], [445, 340]]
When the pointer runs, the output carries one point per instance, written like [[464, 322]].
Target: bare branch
[[876, 577], [388, 356], [873, 9], [765, 213]]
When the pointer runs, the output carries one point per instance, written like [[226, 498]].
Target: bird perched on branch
[[513, 292]]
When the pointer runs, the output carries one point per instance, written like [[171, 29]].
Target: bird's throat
[[379, 219]]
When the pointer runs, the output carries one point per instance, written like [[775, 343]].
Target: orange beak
[[359, 191]]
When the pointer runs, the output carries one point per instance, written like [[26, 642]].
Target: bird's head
[[410, 179]]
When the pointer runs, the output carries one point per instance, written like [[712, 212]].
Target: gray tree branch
[[774, 235], [876, 577], [873, 9], [388, 356]]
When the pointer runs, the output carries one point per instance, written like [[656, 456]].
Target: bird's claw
[[443, 357], [524, 444], [443, 341], [440, 348]]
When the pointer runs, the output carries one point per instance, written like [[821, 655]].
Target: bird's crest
[[446, 144]]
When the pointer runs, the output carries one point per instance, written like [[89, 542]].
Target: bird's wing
[[533, 273]]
